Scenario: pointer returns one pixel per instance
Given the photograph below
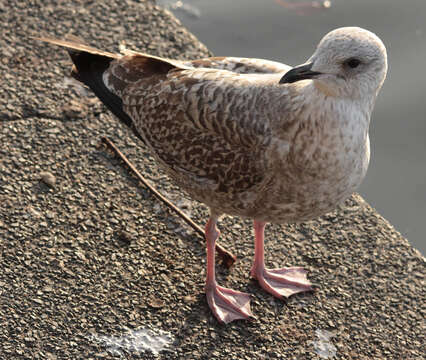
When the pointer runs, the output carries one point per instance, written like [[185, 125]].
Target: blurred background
[[288, 31]]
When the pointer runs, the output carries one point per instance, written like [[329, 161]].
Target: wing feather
[[204, 124], [240, 65]]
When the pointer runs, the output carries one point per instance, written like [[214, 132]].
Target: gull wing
[[240, 65], [210, 127]]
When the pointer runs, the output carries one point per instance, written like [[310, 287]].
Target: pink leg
[[227, 304], [279, 282]]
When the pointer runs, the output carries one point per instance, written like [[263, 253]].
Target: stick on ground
[[227, 257]]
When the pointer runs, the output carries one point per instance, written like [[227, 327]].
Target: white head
[[349, 62]]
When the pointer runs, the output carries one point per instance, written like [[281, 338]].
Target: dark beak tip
[[298, 73], [287, 79]]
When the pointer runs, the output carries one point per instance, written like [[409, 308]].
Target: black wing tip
[[89, 67]]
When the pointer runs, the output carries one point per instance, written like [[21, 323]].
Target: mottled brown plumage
[[250, 137]]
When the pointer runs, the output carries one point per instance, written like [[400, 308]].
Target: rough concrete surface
[[72, 286]]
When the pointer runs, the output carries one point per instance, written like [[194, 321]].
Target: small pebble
[[48, 178], [124, 238]]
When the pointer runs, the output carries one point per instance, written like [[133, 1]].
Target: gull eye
[[352, 63]]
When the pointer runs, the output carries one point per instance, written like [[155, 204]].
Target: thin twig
[[227, 257]]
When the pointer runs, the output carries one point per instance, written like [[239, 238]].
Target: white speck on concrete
[[322, 346], [135, 341]]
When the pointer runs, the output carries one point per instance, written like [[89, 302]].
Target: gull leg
[[282, 282], [227, 304]]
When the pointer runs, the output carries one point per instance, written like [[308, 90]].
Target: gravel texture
[[89, 259]]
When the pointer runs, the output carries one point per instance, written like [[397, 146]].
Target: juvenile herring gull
[[249, 137]]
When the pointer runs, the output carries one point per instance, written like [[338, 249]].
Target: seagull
[[249, 137]]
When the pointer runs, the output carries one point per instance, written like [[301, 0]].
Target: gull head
[[349, 62]]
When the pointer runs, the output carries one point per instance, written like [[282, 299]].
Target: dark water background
[[273, 29]]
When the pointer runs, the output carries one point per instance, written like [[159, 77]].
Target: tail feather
[[89, 67], [74, 44]]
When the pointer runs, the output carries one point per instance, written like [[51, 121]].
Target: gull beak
[[300, 72]]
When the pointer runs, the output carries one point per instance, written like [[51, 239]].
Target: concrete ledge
[[72, 287]]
